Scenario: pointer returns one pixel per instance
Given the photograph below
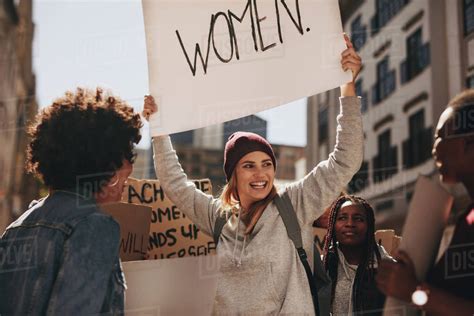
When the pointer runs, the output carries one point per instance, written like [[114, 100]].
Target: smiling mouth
[[258, 185], [349, 234]]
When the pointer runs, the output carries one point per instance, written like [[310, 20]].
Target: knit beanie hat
[[241, 143]]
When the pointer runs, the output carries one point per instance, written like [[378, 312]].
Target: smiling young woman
[[260, 271]]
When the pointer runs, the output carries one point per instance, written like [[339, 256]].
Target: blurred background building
[[417, 55], [200, 151], [17, 107]]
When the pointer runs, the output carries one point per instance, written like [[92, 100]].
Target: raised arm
[[201, 208], [313, 194]]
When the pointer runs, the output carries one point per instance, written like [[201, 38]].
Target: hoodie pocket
[[275, 285]]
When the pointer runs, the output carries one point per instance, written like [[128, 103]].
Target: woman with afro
[[62, 252]]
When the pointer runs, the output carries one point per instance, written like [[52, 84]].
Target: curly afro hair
[[83, 137]]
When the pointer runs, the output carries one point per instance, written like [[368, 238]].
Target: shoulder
[[99, 220]]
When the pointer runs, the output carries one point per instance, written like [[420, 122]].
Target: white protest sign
[[211, 61], [178, 286]]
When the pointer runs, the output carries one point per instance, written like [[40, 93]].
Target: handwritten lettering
[[228, 18]]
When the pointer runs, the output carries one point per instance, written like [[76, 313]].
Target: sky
[[102, 43]]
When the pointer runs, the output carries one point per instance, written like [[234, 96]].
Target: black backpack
[[319, 282]]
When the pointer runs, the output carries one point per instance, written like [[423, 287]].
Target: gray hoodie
[[342, 303], [261, 273]]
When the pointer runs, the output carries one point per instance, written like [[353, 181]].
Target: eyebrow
[[250, 161]]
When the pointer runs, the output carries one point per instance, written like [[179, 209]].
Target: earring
[[114, 183]]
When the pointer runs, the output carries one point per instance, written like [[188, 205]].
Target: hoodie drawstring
[[238, 262]]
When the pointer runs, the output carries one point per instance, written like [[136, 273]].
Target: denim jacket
[[61, 257]]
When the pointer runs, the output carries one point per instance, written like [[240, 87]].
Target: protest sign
[[427, 217], [388, 239], [172, 234], [213, 61], [319, 234], [134, 221]]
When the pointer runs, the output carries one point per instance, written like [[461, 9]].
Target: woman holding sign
[[260, 269]]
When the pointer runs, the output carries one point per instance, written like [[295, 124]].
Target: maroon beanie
[[240, 144]]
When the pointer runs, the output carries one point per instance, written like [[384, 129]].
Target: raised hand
[[149, 107], [350, 59]]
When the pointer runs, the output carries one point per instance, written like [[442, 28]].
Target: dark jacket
[[61, 258]]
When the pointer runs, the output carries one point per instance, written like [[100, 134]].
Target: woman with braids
[[351, 256], [62, 254]]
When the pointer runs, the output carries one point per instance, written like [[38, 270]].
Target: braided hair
[[364, 291]]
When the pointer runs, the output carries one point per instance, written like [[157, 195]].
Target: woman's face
[[255, 174], [351, 224], [112, 191], [448, 151]]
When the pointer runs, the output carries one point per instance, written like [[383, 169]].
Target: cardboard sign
[[319, 234], [172, 234], [134, 223], [388, 239], [213, 61]]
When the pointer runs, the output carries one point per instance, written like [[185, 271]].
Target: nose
[[258, 171], [350, 222]]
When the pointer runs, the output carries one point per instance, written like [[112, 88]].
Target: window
[[363, 94], [384, 206], [385, 84], [385, 11], [418, 57], [385, 164], [470, 82], [183, 138], [323, 125], [417, 148], [195, 171], [468, 17], [359, 33], [360, 180]]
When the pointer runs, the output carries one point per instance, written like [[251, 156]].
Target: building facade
[[417, 55], [17, 107]]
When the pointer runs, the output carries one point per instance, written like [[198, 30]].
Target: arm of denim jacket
[[87, 264]]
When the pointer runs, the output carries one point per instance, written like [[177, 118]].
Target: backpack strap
[[288, 215], [221, 220]]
